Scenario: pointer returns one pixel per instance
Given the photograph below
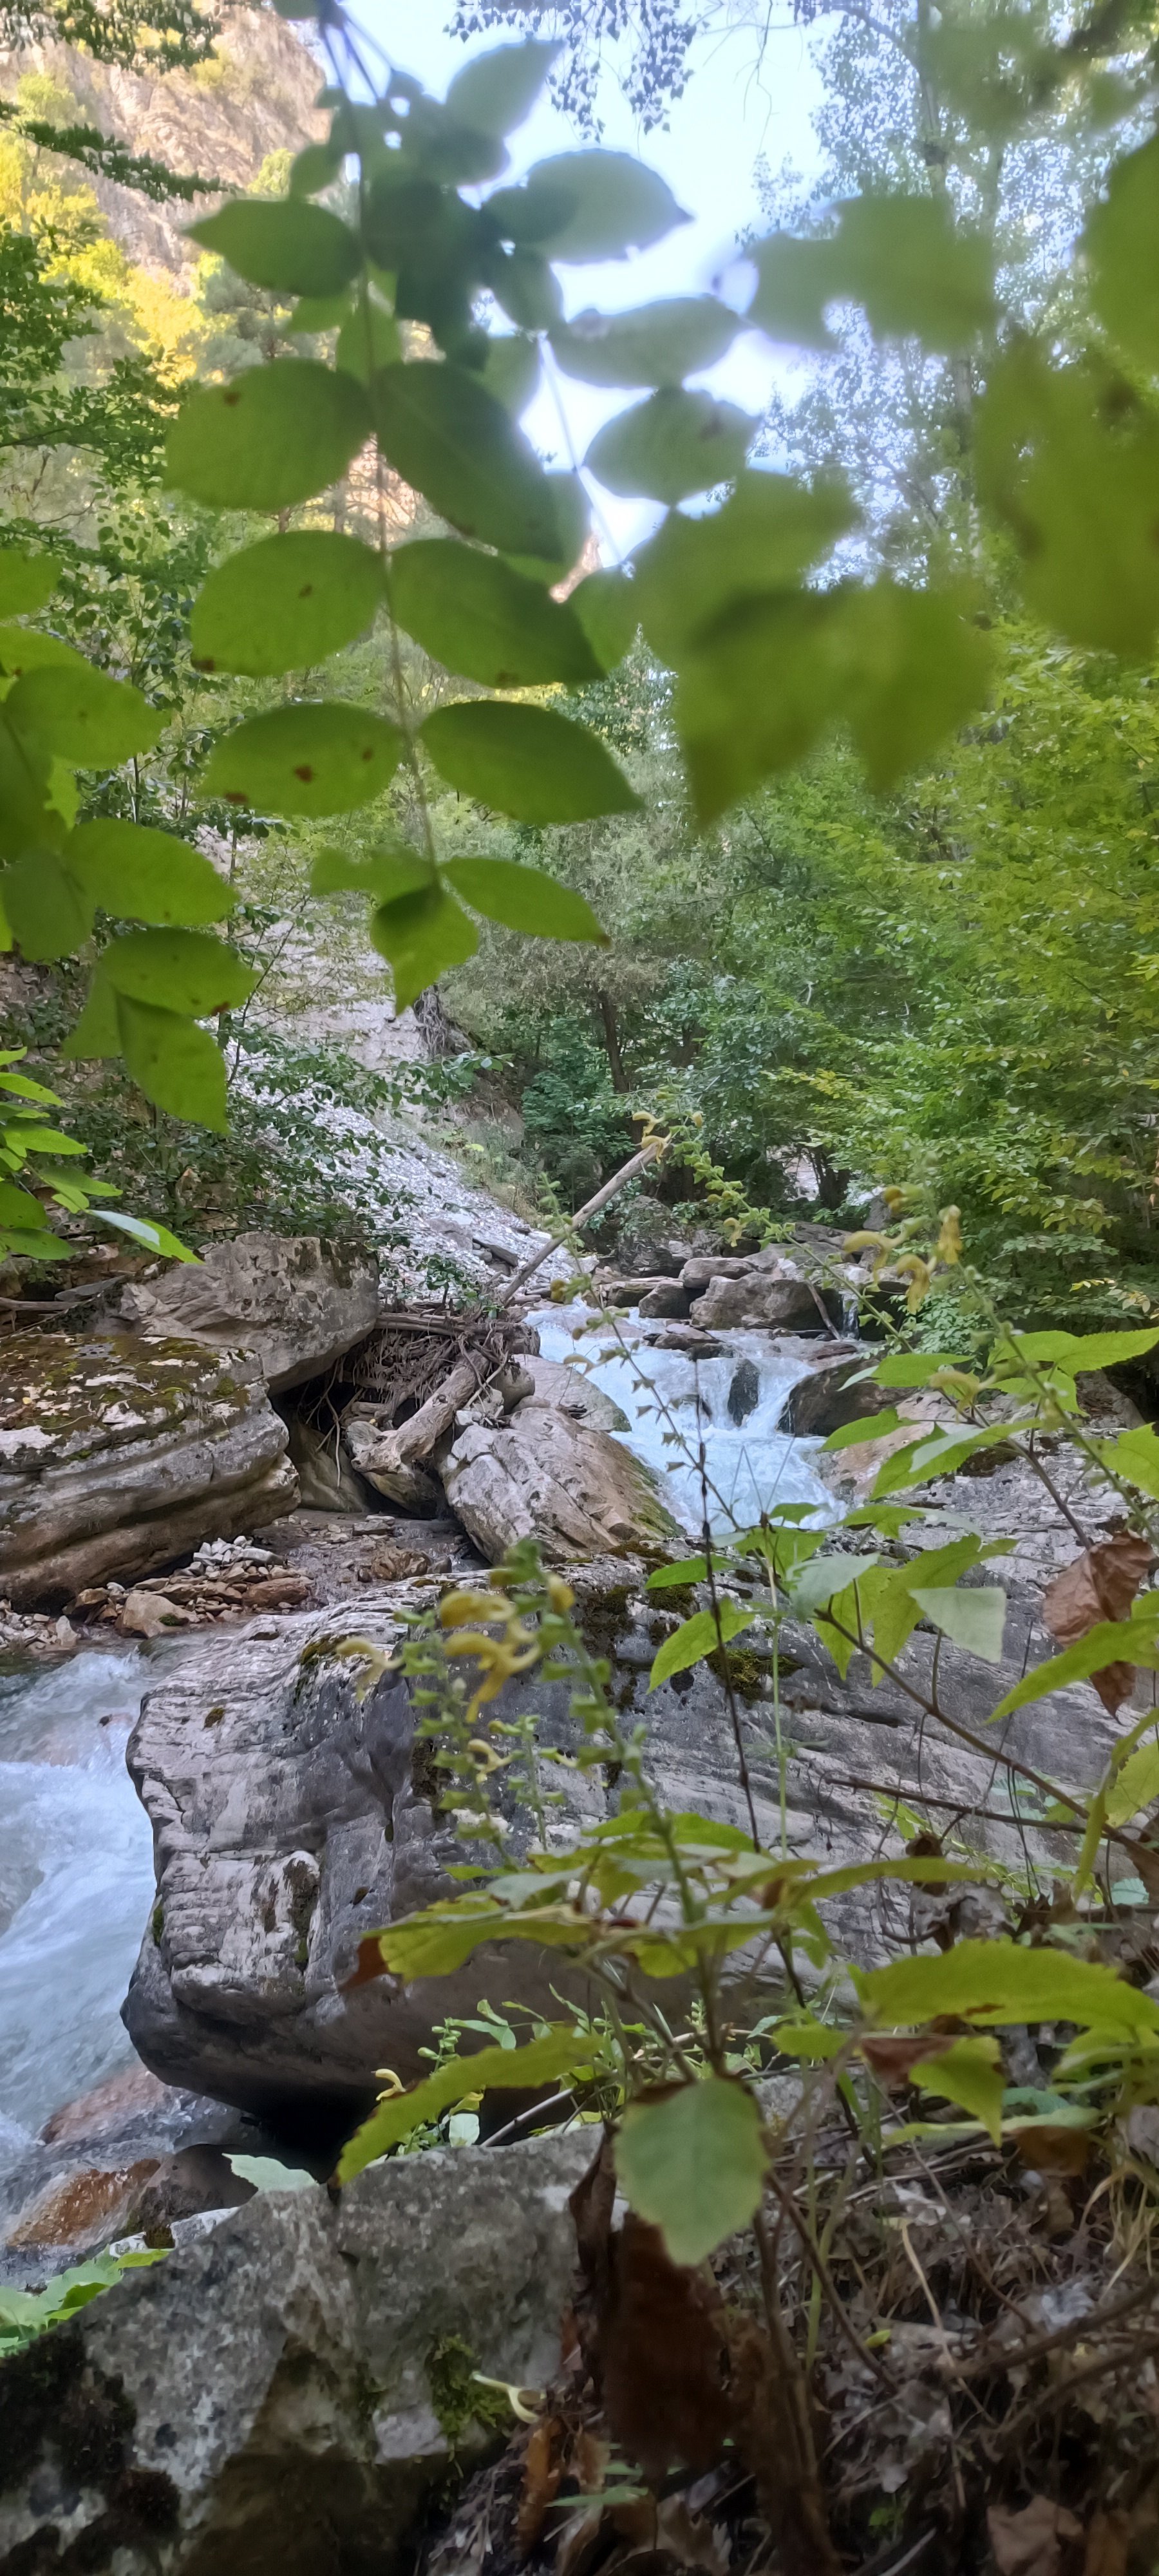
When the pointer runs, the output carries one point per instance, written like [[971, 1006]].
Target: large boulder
[[295, 1301], [117, 1454], [777, 1298], [288, 2393], [290, 1819], [833, 1394], [542, 1474]]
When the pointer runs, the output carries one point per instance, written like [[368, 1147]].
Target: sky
[[731, 113]]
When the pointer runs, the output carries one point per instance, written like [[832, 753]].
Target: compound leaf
[[285, 604], [306, 759], [768, 532], [527, 762]]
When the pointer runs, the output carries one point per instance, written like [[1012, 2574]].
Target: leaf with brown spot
[[1031, 2542], [662, 2350]]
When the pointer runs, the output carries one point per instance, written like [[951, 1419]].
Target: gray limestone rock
[[825, 1400], [778, 1298], [269, 2396], [117, 1454], [542, 1474], [667, 1299], [296, 1302]]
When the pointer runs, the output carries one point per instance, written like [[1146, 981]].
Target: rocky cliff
[[255, 97]]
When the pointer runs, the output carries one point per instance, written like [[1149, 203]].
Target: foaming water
[[735, 1400], [76, 1881]]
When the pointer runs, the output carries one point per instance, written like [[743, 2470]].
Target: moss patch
[[457, 2396]]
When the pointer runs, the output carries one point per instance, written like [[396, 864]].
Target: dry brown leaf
[[1100, 1584], [892, 2056], [578, 2539], [542, 2467], [1031, 2542], [1056, 2151], [1108, 2542], [670, 2530], [662, 2354]]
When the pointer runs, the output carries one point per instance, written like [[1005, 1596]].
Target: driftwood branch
[[591, 1207]]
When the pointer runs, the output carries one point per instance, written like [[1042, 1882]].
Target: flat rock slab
[[269, 2397], [119, 1453], [296, 1302]]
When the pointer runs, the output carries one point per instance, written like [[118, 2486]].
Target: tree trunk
[[612, 1041]]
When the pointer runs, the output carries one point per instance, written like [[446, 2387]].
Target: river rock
[[290, 1819], [825, 1400], [777, 1298], [669, 1299], [543, 1475], [270, 2396], [117, 1454], [299, 1303]]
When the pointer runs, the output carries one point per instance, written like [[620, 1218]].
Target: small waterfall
[[736, 1399], [76, 1881]]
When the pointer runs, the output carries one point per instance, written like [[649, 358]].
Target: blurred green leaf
[[498, 90], [26, 581], [79, 715], [285, 604], [656, 344], [176, 1064], [453, 442], [526, 761], [582, 206], [421, 935], [524, 899], [671, 446], [138, 874], [478, 617], [274, 436], [285, 245], [178, 970]]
